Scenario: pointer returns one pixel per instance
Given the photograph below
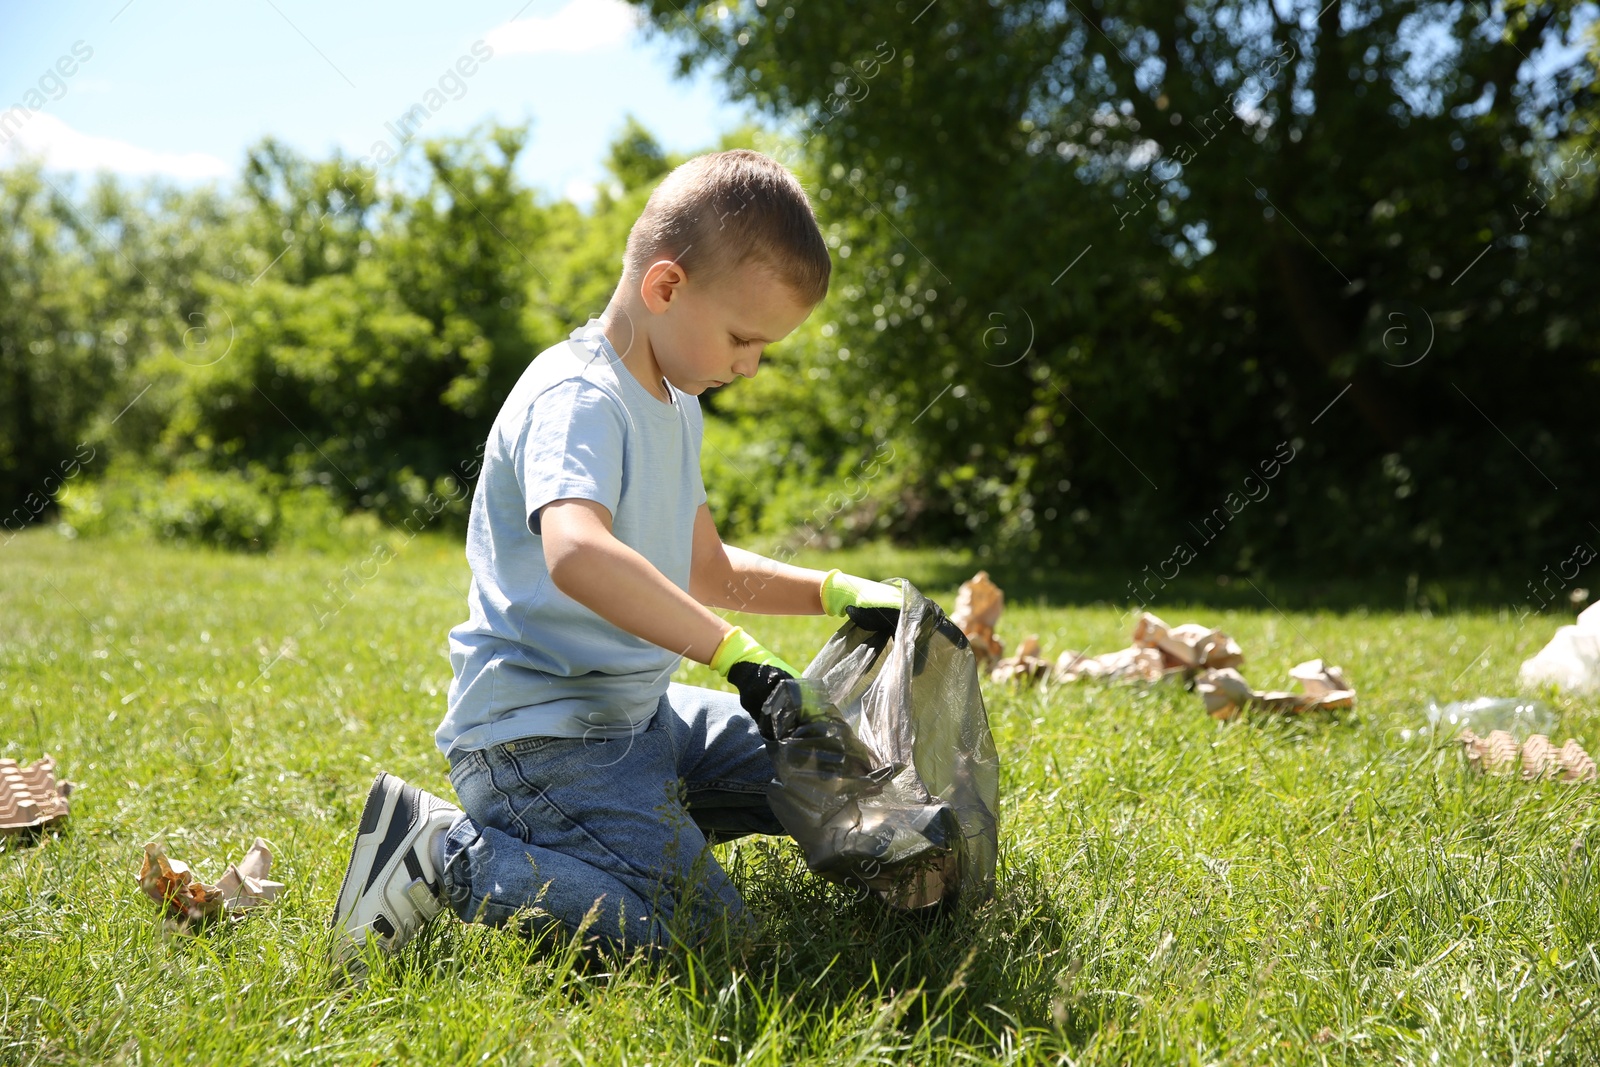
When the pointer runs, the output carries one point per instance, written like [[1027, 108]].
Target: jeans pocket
[[519, 776], [469, 771], [531, 765]]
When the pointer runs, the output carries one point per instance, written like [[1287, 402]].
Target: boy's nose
[[746, 368]]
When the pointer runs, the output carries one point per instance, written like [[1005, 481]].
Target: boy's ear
[[660, 284]]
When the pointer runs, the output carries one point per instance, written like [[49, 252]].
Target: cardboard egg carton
[[1535, 758], [30, 797]]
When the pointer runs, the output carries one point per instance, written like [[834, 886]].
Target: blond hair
[[718, 212]]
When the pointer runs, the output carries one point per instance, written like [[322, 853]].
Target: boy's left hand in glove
[[754, 670]]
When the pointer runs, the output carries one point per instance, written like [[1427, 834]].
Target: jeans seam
[[519, 746], [458, 887], [512, 811]]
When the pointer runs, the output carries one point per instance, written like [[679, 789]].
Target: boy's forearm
[[765, 586], [618, 584]]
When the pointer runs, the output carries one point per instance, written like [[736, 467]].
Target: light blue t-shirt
[[531, 661]]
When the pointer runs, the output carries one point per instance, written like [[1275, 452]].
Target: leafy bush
[[250, 511]]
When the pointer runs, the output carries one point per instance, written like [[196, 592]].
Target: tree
[[89, 282], [1231, 232]]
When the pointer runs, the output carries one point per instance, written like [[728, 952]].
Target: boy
[[589, 784]]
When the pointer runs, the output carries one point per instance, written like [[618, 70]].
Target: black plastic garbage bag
[[885, 771]]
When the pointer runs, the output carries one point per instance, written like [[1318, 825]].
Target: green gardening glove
[[870, 605], [754, 670]]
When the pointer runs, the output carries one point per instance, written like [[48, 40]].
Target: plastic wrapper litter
[[885, 772]]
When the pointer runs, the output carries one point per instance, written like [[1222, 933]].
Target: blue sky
[[182, 88]]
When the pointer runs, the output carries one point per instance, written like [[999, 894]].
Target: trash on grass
[[1208, 657], [30, 797], [189, 902], [1322, 688], [1571, 660], [884, 770], [1158, 651], [1200, 654], [1190, 645], [1518, 718], [979, 603], [1226, 693], [1127, 664], [1501, 753], [1027, 665]]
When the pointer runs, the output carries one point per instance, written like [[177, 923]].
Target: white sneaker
[[391, 887]]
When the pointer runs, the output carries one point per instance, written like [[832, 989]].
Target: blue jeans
[[620, 827]]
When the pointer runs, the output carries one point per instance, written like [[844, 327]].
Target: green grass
[[1172, 889]]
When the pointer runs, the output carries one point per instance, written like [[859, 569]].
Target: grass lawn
[[1172, 889]]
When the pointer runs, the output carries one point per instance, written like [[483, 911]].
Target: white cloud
[[580, 26], [44, 137]]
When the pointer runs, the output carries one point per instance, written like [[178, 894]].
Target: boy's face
[[706, 334]]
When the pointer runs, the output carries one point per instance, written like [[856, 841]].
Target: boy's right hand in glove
[[752, 669]]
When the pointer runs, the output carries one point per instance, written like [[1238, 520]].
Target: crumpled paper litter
[[189, 902], [1210, 659], [1126, 664], [1226, 693], [1026, 665], [979, 603], [1158, 651], [1206, 657]]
